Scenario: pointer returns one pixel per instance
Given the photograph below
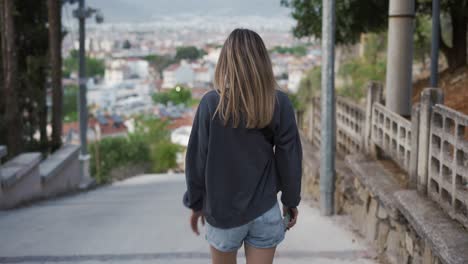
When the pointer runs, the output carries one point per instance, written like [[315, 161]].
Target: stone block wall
[[373, 209], [27, 177]]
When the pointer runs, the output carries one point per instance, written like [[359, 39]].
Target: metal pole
[[327, 146], [435, 43], [83, 110], [400, 56]]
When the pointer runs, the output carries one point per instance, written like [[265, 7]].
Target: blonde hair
[[244, 80]]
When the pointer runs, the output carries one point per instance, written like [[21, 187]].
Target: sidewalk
[[142, 220]]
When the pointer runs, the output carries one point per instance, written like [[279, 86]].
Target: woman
[[243, 149]]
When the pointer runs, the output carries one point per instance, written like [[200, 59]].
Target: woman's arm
[[195, 159], [288, 155]]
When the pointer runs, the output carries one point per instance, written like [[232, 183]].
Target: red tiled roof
[[172, 67], [106, 130], [200, 69], [186, 120]]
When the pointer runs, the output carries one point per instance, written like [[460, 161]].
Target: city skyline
[[137, 11]]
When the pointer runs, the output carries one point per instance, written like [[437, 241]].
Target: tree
[[12, 115], [188, 53], [94, 67], [70, 103], [159, 62], [177, 95], [422, 40], [297, 50], [454, 49], [309, 87], [364, 16], [127, 44], [32, 40], [55, 49], [353, 18]]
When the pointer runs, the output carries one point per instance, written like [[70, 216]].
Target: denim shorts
[[265, 231]]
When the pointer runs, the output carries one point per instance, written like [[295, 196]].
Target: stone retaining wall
[[27, 177], [403, 226]]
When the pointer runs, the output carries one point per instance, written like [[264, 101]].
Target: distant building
[[118, 70], [181, 73], [99, 127], [212, 55]]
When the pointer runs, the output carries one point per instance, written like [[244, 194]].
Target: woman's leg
[[259, 255], [219, 257]]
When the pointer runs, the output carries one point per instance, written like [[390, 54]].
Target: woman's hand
[[194, 221], [293, 214]]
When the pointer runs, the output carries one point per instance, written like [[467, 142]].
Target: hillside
[[454, 85]]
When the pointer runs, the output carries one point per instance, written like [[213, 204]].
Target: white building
[[118, 70], [204, 73], [213, 55], [294, 78], [181, 73]]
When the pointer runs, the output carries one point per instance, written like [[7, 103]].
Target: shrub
[[149, 145], [163, 156], [114, 152]]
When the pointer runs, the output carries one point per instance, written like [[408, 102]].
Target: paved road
[[142, 221]]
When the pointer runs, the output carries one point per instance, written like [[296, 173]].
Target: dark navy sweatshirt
[[234, 174]]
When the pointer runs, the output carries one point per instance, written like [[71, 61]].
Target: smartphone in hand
[[287, 219]]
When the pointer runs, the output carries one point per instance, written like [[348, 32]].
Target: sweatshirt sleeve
[[195, 159], [288, 155]]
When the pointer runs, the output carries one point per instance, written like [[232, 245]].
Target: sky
[[150, 10]]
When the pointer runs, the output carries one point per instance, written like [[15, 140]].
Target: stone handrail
[[350, 120], [426, 198], [448, 162], [392, 133], [27, 177], [55, 163], [16, 169]]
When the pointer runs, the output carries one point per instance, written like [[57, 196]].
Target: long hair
[[244, 80]]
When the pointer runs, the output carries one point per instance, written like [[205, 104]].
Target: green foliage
[[159, 62], [94, 67], [422, 38], [353, 17], [70, 103], [294, 101], [114, 152], [157, 137], [176, 95], [189, 53], [356, 72], [149, 144], [297, 50], [164, 154], [309, 87]]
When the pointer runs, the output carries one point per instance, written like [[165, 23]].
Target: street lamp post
[[83, 105], [81, 14], [435, 43], [327, 146]]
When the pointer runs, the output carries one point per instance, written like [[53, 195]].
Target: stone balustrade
[[27, 177], [350, 121], [350, 118], [405, 183], [448, 164], [392, 133], [20, 180]]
